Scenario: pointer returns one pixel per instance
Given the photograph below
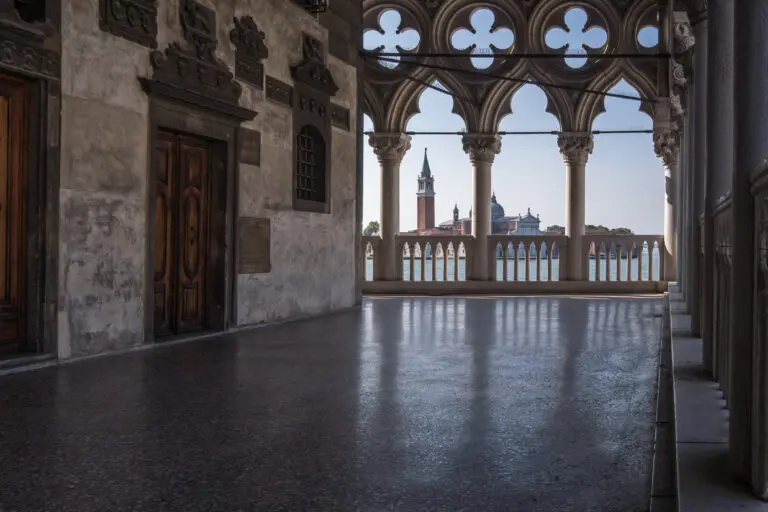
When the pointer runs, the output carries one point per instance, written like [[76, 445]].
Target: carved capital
[[481, 147], [576, 147], [389, 147], [666, 144], [678, 74]]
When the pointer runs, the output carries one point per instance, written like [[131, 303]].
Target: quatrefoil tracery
[[390, 37], [482, 37], [576, 38]]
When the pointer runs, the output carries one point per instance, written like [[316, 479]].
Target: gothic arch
[[498, 102], [590, 105], [405, 100], [373, 107]]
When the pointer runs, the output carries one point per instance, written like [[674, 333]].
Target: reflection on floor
[[412, 404]]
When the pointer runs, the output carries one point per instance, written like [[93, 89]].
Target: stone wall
[[104, 174]]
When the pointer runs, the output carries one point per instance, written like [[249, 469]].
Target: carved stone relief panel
[[279, 92], [22, 44], [134, 20], [340, 117], [251, 50], [193, 74]]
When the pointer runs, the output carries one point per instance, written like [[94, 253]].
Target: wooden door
[[13, 204], [181, 221]]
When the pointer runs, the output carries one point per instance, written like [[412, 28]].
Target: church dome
[[497, 211]]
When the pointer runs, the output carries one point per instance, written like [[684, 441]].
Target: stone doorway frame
[[222, 134]]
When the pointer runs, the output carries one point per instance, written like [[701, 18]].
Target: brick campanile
[[425, 197]]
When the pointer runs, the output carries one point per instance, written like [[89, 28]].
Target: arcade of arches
[[179, 169]]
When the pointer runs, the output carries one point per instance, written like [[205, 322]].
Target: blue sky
[[625, 180]]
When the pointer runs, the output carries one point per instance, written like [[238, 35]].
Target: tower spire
[[425, 170]]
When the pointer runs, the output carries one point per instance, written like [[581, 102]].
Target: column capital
[[576, 146], [666, 144], [389, 147], [481, 147]]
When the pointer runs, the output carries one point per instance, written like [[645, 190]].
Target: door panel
[[12, 216], [165, 165], [193, 239], [181, 223]]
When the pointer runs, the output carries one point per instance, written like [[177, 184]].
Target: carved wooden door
[[13, 178], [181, 233]]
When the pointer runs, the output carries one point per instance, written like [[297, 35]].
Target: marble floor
[[411, 404]]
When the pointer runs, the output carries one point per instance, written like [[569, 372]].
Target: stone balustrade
[[445, 264]]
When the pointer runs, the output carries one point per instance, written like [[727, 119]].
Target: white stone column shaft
[[667, 146], [390, 148], [575, 148], [482, 149]]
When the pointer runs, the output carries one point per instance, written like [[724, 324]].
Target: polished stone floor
[[412, 404]]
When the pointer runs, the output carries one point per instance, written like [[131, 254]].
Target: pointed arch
[[498, 102], [405, 100], [590, 105], [373, 107]]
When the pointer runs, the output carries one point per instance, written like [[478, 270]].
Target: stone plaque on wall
[[250, 146], [253, 246]]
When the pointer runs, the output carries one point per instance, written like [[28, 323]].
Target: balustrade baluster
[[527, 263], [434, 261], [550, 257], [538, 261], [505, 261], [516, 260], [619, 254]]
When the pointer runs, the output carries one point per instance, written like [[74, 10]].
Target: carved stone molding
[[278, 91], [251, 50], [678, 74], [340, 117], [312, 71], [194, 75], [22, 45], [134, 20], [666, 144], [389, 147], [313, 106], [481, 147], [684, 38], [576, 147]]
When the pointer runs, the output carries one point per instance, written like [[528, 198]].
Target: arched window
[[310, 181]]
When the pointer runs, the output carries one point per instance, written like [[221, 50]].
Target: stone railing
[[434, 258], [516, 264], [527, 258], [628, 258]]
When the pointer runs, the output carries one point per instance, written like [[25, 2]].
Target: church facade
[[501, 223]]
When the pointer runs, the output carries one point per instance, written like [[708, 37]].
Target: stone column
[[390, 149], [575, 148], [666, 143], [700, 285], [748, 441], [681, 206], [482, 148]]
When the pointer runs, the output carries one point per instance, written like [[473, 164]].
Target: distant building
[[501, 224]]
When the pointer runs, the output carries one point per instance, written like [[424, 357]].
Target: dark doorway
[[181, 231], [13, 218]]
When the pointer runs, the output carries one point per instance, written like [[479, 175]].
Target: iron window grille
[[310, 166]]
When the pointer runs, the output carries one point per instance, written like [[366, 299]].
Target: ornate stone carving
[[22, 45], [312, 70], [194, 74], [134, 20], [678, 74], [315, 107], [481, 147], [340, 117], [389, 147], [684, 38], [279, 92], [576, 147], [666, 143], [676, 106], [251, 50]]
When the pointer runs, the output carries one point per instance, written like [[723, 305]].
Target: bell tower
[[425, 197]]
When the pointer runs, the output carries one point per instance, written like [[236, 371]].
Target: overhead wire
[[408, 62], [530, 132]]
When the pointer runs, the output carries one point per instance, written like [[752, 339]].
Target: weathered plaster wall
[[313, 255], [103, 210], [103, 186]]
